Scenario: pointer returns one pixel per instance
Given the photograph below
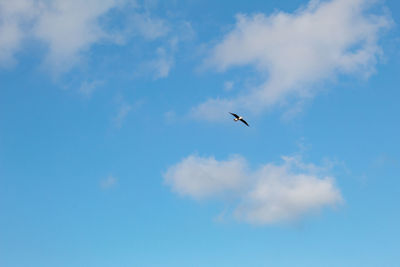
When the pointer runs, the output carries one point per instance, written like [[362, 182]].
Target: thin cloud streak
[[122, 113]]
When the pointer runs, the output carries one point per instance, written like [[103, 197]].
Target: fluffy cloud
[[70, 27], [67, 27], [296, 51], [13, 16], [270, 194], [279, 193], [206, 177]]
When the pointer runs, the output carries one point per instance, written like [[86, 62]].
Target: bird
[[238, 118]]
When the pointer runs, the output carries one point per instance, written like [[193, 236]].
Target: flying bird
[[238, 118]]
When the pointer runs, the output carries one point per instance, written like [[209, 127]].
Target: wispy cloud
[[296, 51], [162, 64], [124, 108], [13, 14], [270, 194], [68, 28], [108, 182], [87, 88], [148, 26], [170, 116], [122, 113], [228, 85], [164, 60]]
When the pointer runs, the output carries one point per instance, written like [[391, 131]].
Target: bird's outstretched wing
[[235, 115], [242, 120]]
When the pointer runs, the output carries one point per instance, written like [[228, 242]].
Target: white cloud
[[205, 177], [13, 17], [108, 182], [68, 28], [296, 51], [270, 194], [282, 194]]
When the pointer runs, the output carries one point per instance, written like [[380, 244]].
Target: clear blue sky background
[[81, 180]]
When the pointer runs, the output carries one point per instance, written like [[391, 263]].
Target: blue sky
[[117, 148]]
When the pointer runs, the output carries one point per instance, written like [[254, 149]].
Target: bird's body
[[239, 118]]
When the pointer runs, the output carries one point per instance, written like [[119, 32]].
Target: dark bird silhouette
[[238, 118]]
